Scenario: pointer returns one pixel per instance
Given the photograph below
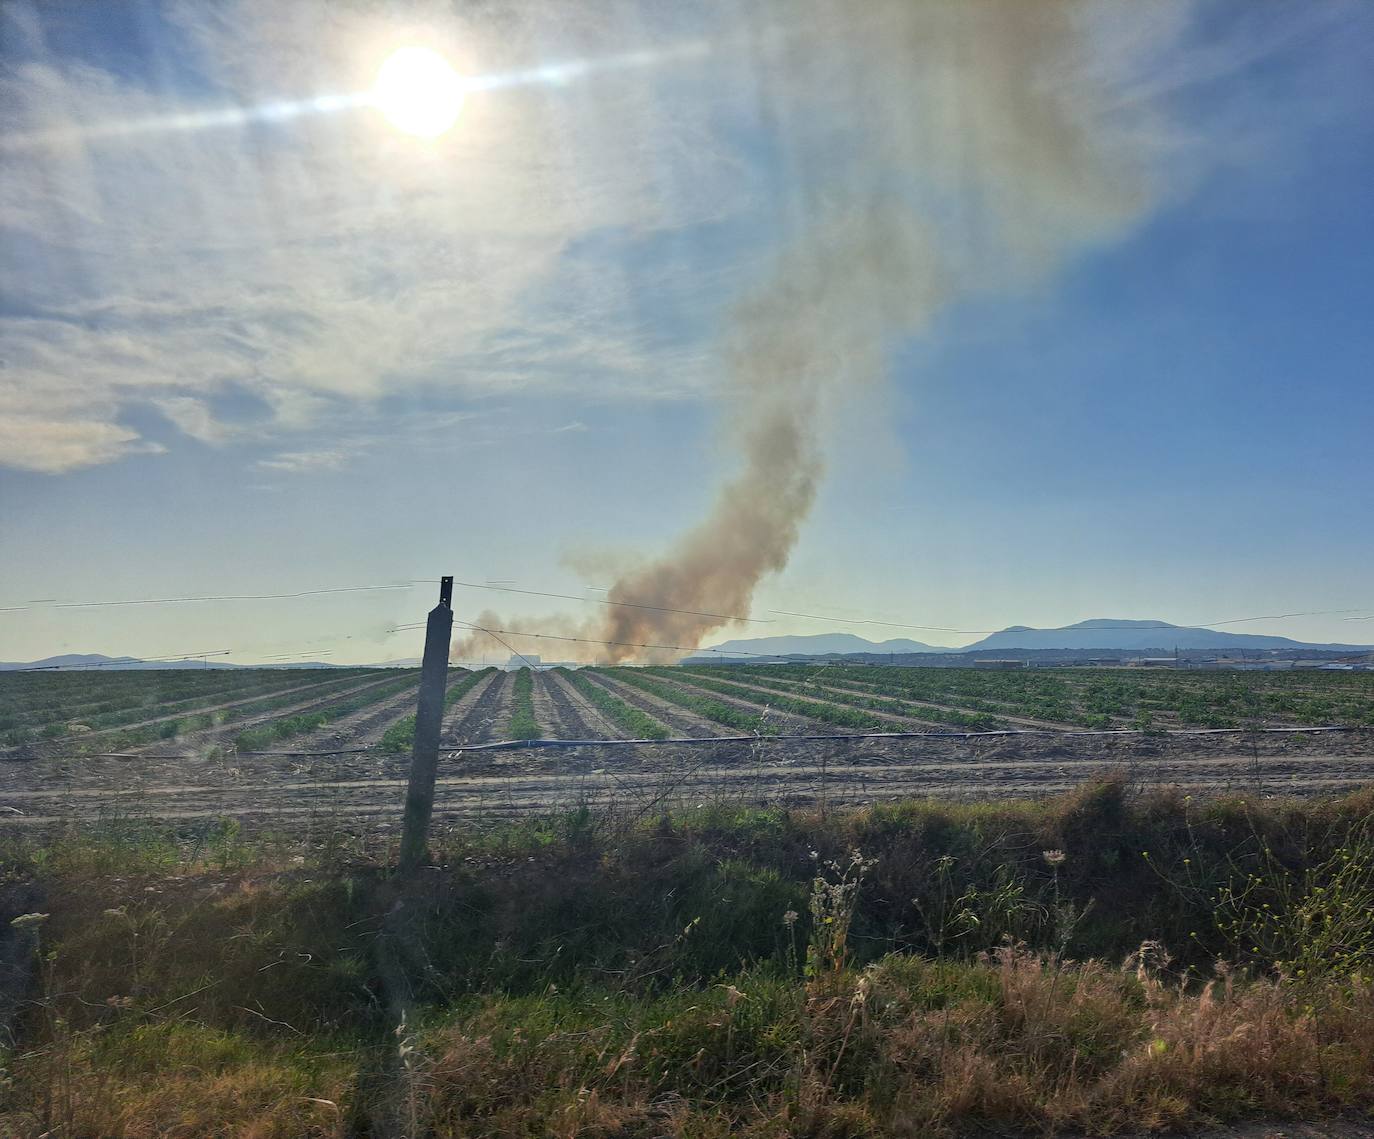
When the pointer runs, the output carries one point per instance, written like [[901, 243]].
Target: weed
[[700, 975]]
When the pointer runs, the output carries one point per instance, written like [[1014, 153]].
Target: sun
[[418, 91]]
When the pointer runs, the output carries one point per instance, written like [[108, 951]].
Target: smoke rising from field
[[929, 152]]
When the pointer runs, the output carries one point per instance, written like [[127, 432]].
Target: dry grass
[[752, 974]]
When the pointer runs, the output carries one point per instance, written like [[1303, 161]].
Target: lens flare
[[419, 92]]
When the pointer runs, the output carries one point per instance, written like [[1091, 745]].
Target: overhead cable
[[603, 601], [211, 597]]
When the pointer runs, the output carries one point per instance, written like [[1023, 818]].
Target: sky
[[945, 315]]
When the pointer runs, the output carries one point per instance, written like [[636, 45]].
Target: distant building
[[1001, 664], [1246, 665], [537, 664]]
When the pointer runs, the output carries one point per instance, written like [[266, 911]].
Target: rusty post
[[429, 711]]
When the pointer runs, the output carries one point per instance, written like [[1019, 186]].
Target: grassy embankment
[[1090, 962]]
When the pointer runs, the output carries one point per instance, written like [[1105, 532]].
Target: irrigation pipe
[[512, 745]]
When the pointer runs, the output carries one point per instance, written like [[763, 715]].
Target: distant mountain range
[[1100, 634], [823, 644], [77, 662], [1112, 633]]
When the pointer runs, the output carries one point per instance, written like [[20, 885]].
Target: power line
[[591, 641], [603, 601], [887, 624], [671, 648], [123, 662], [1203, 625], [264, 653], [528, 663], [214, 597]]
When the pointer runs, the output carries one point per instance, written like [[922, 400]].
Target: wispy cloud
[[327, 260], [556, 242], [304, 462], [194, 418], [54, 446]]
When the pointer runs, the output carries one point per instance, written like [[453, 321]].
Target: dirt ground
[[339, 773]]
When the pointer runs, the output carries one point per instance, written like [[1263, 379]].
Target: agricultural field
[[645, 879], [1078, 698], [293, 746]]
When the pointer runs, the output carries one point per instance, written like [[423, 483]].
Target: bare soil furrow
[[546, 715], [597, 723], [303, 792], [801, 783], [486, 716], [458, 711], [573, 718]]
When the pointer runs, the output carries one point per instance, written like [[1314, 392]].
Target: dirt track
[[368, 787]]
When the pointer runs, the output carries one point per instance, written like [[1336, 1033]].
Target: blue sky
[[1127, 379]]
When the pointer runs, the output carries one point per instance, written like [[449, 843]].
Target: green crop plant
[[523, 725]]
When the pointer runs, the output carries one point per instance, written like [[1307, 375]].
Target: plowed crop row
[[702, 705], [1099, 698], [256, 738], [179, 728], [566, 715], [401, 735], [680, 721], [843, 708], [636, 724], [478, 721], [54, 706]]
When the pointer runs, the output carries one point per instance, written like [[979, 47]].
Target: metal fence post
[[429, 711]]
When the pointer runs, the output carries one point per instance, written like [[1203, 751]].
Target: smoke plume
[[931, 152]]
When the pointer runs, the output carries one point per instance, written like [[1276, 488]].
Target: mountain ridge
[[92, 662], [822, 644], [1098, 634]]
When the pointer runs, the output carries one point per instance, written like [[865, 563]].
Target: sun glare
[[419, 92]]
